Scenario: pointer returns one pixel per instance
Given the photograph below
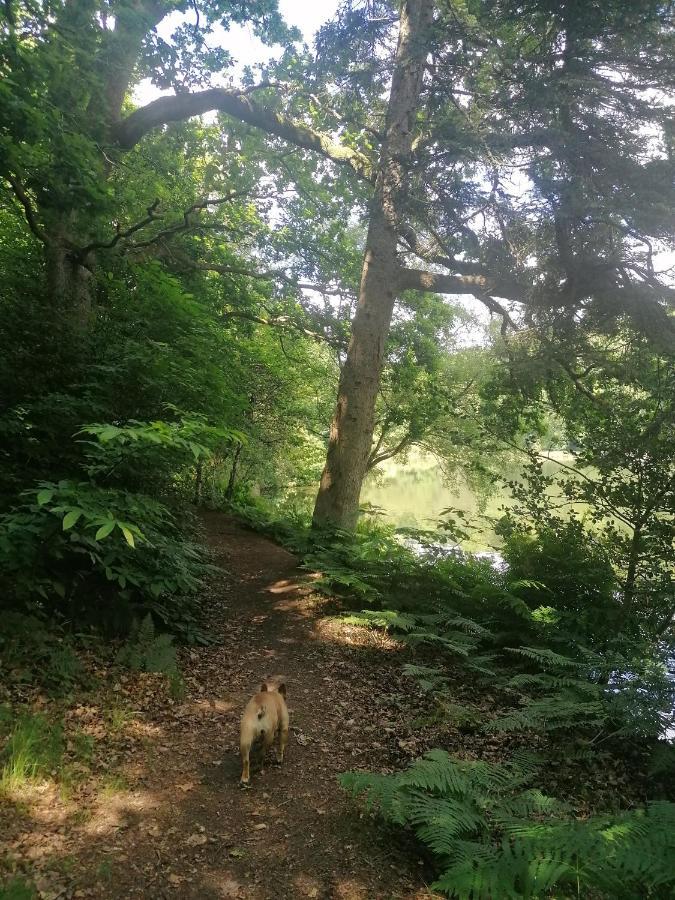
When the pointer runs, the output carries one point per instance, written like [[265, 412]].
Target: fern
[[386, 618], [547, 658], [453, 641], [494, 839], [553, 712], [147, 651], [546, 682], [428, 677]]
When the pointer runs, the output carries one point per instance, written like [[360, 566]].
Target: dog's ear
[[282, 689], [263, 687]]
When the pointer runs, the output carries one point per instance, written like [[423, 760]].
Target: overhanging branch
[[240, 106]]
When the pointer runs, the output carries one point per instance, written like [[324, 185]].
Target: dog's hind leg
[[282, 737], [245, 765]]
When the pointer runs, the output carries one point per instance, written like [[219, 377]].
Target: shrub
[[96, 553], [32, 652]]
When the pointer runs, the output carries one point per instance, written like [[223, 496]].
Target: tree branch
[[285, 322], [270, 275], [236, 104], [120, 235], [477, 285], [376, 459], [29, 212]]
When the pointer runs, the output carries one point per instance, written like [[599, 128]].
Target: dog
[[264, 719]]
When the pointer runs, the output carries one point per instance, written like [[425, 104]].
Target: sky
[[239, 40]]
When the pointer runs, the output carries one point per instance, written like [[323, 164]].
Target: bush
[[96, 554], [146, 651], [562, 567]]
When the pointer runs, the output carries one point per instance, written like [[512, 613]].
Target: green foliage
[[147, 452], [467, 612], [493, 836], [147, 651], [17, 888], [70, 543]]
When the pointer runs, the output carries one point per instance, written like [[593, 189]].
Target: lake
[[413, 494]]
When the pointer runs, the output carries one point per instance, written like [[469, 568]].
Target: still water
[[415, 493]]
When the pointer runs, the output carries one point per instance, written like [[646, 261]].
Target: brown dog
[[265, 718]]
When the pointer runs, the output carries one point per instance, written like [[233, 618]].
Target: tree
[[563, 93], [615, 402]]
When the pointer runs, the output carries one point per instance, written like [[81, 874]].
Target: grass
[[104, 871], [113, 783], [33, 750], [118, 719]]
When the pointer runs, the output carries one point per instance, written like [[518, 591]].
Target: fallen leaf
[[195, 840]]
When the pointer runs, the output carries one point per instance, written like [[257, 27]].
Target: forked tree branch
[[284, 322]]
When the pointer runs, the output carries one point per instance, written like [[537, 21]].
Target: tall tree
[[351, 433], [524, 156]]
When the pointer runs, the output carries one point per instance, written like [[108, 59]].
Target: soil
[[173, 821]]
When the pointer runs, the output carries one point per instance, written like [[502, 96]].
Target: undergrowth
[[495, 835]]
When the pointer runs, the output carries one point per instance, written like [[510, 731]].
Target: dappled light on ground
[[336, 629]]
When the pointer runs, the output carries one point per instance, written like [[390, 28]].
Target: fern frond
[[458, 643], [428, 678], [385, 618], [468, 625], [438, 820], [480, 663], [547, 658], [379, 793], [546, 682], [436, 771]]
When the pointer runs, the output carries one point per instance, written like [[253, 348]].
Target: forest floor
[[156, 809]]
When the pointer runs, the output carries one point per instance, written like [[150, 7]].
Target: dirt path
[[181, 827]]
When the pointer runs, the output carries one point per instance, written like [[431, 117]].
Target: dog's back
[[261, 715], [264, 718]]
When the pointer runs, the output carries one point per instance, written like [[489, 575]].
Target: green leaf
[[128, 535], [105, 530], [71, 518], [44, 497]]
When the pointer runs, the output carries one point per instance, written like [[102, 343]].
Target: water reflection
[[413, 495]]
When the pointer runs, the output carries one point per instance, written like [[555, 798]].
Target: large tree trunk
[[69, 284], [351, 434]]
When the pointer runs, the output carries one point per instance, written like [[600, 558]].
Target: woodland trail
[[183, 828]]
